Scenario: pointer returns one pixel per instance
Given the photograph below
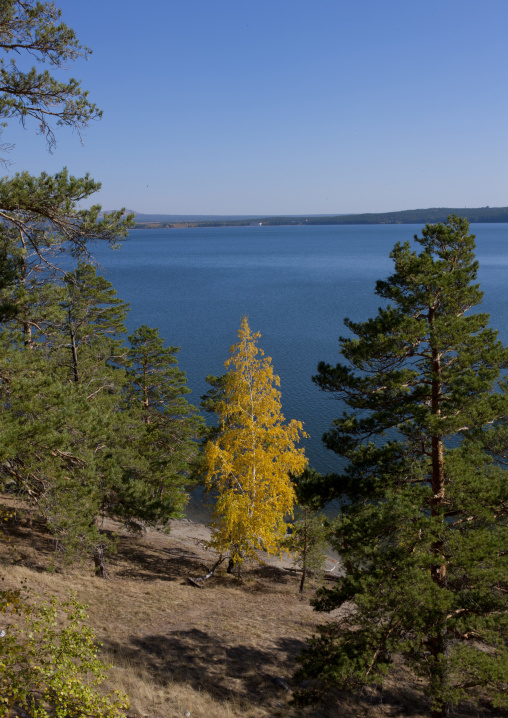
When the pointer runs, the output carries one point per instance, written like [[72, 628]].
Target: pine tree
[[249, 462], [8, 276], [34, 29], [93, 428], [423, 525], [61, 406], [40, 216], [49, 429], [41, 221], [165, 449], [93, 323], [53, 438]]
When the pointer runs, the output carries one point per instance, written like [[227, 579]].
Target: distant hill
[[143, 217], [190, 217], [409, 216]]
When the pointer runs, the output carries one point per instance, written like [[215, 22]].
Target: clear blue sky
[[288, 106]]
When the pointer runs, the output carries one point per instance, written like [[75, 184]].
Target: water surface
[[296, 284]]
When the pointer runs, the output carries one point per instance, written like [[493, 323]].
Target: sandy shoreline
[[194, 535]]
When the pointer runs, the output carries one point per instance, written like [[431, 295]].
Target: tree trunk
[[101, 569], [27, 327], [74, 350], [27, 335], [304, 562], [437, 641], [302, 581], [146, 399]]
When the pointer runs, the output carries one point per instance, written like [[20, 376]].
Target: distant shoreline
[[480, 215]]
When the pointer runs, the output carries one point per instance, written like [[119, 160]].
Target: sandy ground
[[185, 533]]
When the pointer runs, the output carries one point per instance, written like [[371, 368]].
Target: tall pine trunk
[[74, 358], [305, 548], [437, 641]]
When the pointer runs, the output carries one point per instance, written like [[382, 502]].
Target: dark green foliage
[[41, 222], [60, 405], [51, 442], [90, 427], [215, 394], [92, 324], [156, 382], [9, 274], [168, 430], [311, 489], [41, 218], [32, 29], [423, 525], [210, 402]]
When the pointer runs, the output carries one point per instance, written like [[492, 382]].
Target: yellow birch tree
[[249, 461]]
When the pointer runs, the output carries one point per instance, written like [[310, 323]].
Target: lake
[[296, 285]]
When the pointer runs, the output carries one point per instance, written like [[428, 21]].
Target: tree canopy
[[30, 29], [422, 530], [248, 463]]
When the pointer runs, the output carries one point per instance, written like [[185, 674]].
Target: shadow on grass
[[206, 662], [137, 561], [259, 675], [254, 674], [28, 541], [134, 558]]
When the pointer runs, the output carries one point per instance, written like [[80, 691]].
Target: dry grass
[[219, 652]]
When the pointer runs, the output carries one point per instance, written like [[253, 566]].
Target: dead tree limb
[[198, 582]]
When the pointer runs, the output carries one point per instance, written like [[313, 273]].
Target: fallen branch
[[197, 582]]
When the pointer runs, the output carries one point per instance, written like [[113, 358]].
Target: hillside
[[226, 651]]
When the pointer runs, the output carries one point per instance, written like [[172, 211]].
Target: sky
[[270, 107]]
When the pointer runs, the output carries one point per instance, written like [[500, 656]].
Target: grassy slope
[[215, 652]]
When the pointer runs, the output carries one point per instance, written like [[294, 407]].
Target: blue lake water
[[296, 284]]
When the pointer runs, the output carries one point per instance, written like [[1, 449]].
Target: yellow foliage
[[248, 465]]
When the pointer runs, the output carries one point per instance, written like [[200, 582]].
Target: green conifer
[[166, 449], [423, 525]]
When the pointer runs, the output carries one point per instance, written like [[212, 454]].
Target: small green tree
[[48, 661], [307, 542], [422, 530], [249, 460], [307, 539]]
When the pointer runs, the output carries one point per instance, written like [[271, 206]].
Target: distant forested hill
[[409, 216]]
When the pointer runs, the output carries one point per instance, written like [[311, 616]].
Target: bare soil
[[224, 651]]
